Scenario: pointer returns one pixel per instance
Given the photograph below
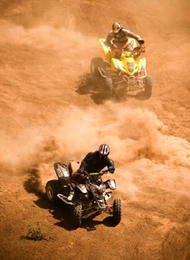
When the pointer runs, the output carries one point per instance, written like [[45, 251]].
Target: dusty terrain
[[51, 111]]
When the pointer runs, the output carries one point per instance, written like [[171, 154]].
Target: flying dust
[[46, 36], [134, 136]]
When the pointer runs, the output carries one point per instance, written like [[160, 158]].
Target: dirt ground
[[52, 110]]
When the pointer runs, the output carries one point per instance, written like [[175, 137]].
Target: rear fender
[[62, 173], [73, 167], [108, 55]]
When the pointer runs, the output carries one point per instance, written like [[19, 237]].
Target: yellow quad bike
[[124, 74]]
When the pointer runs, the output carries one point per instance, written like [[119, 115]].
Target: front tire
[[109, 87], [77, 217], [121, 93], [148, 87], [117, 210], [52, 189], [95, 63]]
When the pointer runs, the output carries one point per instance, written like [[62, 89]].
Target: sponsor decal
[[105, 45], [132, 44], [118, 65], [62, 172], [142, 65]]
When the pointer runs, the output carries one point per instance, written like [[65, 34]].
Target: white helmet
[[104, 150]]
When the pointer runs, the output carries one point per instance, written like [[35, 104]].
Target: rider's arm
[[110, 162], [110, 165], [109, 39], [131, 35], [86, 159]]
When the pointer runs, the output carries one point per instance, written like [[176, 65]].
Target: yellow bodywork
[[126, 63]]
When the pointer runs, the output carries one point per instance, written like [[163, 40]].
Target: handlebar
[[103, 172], [138, 49], [89, 176], [94, 173], [117, 50]]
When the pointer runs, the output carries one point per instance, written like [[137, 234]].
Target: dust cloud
[[134, 135], [46, 46], [45, 36]]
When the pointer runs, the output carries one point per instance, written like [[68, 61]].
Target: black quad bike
[[90, 198]]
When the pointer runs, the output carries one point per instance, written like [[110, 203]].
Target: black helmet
[[104, 150], [116, 27]]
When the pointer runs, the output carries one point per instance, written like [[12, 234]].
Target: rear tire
[[117, 210], [148, 87], [109, 87], [52, 189], [95, 63], [77, 217]]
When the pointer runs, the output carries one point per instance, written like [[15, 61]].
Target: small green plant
[[35, 234]]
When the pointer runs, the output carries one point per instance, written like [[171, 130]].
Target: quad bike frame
[[125, 74]]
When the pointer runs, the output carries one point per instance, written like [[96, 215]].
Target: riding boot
[[71, 193]]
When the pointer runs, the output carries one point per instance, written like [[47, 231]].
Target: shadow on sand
[[99, 93], [62, 212]]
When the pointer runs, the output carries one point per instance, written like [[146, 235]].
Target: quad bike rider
[[122, 70], [93, 162], [89, 193], [118, 37]]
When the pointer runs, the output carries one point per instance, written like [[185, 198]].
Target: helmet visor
[[116, 28], [103, 156]]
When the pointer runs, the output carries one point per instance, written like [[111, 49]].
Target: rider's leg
[[72, 192], [117, 55], [128, 47]]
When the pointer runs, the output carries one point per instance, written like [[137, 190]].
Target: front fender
[[108, 55], [110, 184], [141, 64], [82, 188], [117, 65]]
